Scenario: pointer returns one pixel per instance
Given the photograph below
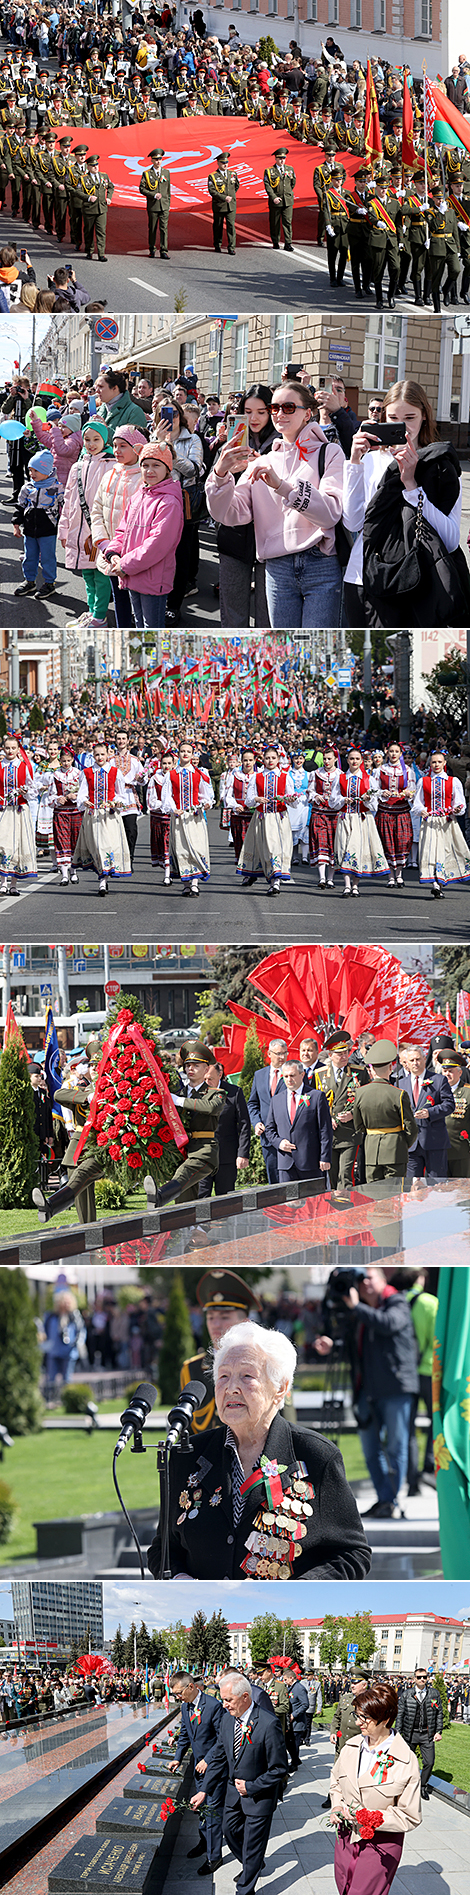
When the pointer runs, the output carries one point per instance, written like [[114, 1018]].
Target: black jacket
[[234, 1128], [387, 1348], [200, 1737], [408, 576], [299, 1707], [408, 1713], [262, 1762], [210, 1546]]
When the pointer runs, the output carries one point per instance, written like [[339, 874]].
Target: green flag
[[451, 1420]]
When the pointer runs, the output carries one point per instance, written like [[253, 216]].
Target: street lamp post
[[14, 676], [367, 684]]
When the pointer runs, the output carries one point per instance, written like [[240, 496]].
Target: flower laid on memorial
[[167, 1809]]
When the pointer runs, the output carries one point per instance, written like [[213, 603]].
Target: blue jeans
[[41, 551], [149, 610], [304, 589], [392, 1415]]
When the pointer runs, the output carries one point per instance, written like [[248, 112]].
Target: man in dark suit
[[250, 1758], [298, 1698], [265, 1084], [233, 1139], [299, 1126], [431, 1100], [200, 1720]]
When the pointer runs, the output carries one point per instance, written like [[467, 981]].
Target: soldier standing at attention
[[223, 185], [97, 191], [384, 1114], [340, 1080], [334, 213], [454, 1065], [226, 1300], [155, 186], [443, 248], [200, 1108], [279, 183]]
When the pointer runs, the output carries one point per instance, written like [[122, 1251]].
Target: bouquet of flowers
[[132, 1116], [360, 1824]]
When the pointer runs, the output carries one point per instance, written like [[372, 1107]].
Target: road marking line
[[140, 280]]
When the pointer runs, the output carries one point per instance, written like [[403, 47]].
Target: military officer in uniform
[[383, 244], [454, 1065], [383, 1113], [459, 201], [443, 248], [82, 1177], [279, 183], [339, 1079], [416, 224], [391, 144], [76, 176], [155, 186], [223, 185], [335, 218], [60, 182], [226, 1300], [200, 1108], [96, 191], [358, 231], [277, 1691]]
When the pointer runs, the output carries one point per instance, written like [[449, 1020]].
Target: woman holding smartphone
[[401, 498], [295, 508], [236, 544]]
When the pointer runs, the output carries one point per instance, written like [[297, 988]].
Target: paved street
[[141, 909], [300, 1851]]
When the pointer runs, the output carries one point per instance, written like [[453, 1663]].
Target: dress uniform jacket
[[458, 1132], [385, 1115], [340, 1090], [281, 185], [152, 182], [200, 1116], [89, 1167], [346, 1720], [206, 1543], [200, 1368], [223, 187]]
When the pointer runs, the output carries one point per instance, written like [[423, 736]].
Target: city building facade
[[59, 1611], [402, 1643]]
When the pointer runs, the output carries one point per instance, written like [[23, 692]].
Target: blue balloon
[[92, 404], [12, 430]]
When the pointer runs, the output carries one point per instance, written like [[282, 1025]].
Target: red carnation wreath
[[132, 1115]]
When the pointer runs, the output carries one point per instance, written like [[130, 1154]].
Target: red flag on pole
[[372, 133], [407, 146]]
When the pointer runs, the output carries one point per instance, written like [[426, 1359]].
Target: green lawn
[[54, 1476], [453, 1756], [16, 1223]]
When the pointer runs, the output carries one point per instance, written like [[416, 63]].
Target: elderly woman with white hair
[[262, 1500]]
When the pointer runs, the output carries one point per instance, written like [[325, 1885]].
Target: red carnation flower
[[128, 1138], [102, 1138], [134, 1160], [166, 1135], [154, 1150], [114, 1151]]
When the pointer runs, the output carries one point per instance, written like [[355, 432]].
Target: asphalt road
[[257, 276], [141, 909]]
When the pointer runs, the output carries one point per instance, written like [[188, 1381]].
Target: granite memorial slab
[[146, 1785], [102, 1862], [125, 1818]]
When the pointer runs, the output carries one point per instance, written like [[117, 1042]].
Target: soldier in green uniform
[[16, 159], [383, 244], [459, 201], [223, 185], [276, 1688], [415, 216], [155, 186], [395, 205], [443, 248], [339, 1079], [384, 1114], [279, 183], [226, 1299], [199, 1108], [60, 172], [76, 176], [454, 1065], [346, 1720], [44, 167], [96, 191], [322, 176], [357, 200], [391, 144], [84, 1175], [335, 216]]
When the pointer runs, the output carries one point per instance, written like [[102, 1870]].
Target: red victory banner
[[191, 147]]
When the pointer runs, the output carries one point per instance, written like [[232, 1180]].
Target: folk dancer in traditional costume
[[299, 812], [66, 817], [235, 800], [102, 842], [267, 849], [443, 853], [395, 786], [358, 848], [186, 794], [17, 842], [323, 818], [159, 823]]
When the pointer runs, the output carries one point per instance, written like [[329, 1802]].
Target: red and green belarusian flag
[[444, 125]]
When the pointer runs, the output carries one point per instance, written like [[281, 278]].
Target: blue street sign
[[79, 967], [344, 678], [351, 1650], [46, 991], [18, 960]]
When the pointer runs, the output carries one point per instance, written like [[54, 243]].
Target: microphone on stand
[[135, 1415], [181, 1415]]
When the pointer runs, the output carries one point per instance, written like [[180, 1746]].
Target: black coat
[[408, 1713], [210, 1546], [234, 1127], [388, 1348], [406, 580], [262, 1762], [299, 1708]]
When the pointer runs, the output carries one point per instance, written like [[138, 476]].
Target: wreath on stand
[[133, 1121]]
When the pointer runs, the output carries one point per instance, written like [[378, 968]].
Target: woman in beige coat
[[374, 1771]]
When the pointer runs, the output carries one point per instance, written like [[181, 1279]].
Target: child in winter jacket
[[63, 437], [142, 552], [75, 526], [119, 484], [36, 517]]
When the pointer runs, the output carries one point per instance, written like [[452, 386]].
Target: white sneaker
[[99, 625], [167, 878], [73, 875]]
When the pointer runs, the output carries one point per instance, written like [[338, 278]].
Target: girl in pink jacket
[[64, 438], [75, 529], [122, 478], [294, 496], [143, 550]]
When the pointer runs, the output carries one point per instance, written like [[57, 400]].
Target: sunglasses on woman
[[285, 407]]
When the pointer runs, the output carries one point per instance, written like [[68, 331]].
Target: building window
[[333, 12], [290, 9], [213, 343], [240, 354], [384, 351], [380, 19], [272, 6], [312, 11], [356, 13], [282, 344], [396, 1664], [423, 19]]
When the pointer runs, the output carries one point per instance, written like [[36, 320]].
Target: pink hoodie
[[65, 449], [302, 513], [147, 538], [74, 528]]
